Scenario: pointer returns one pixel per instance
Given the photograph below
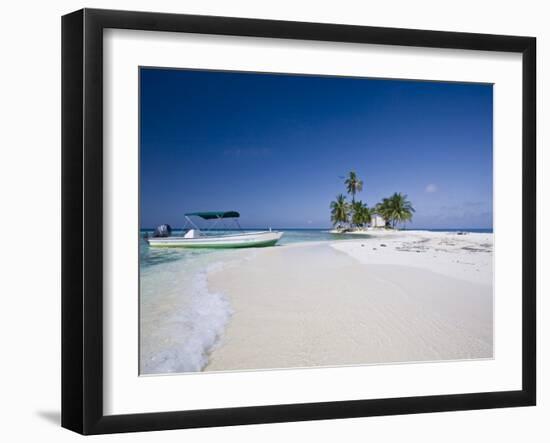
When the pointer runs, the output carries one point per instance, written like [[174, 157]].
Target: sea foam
[[191, 331]]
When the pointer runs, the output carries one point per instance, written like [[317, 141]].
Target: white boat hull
[[243, 240]]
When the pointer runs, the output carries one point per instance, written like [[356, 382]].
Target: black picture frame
[[82, 215]]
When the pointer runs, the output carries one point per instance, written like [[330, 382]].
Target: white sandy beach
[[393, 297]]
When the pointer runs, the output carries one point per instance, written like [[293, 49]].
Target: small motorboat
[[214, 237]]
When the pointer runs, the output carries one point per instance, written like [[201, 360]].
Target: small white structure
[[377, 221]]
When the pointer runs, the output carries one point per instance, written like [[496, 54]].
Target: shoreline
[[424, 296]]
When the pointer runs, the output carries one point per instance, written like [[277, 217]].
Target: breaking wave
[[191, 331]]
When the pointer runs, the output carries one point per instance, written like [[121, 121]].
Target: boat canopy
[[211, 215]]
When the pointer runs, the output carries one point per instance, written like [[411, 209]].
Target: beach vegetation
[[353, 185], [360, 214], [340, 210], [395, 209]]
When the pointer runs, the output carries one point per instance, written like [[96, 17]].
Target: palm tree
[[361, 214], [382, 208], [353, 185], [339, 210], [366, 215], [396, 209]]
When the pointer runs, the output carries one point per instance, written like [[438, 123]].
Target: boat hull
[[246, 240]]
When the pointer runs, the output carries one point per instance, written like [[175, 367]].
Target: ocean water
[[181, 321]]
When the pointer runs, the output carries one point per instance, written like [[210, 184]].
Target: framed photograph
[[269, 221]]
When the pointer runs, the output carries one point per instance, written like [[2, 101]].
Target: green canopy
[[211, 215]]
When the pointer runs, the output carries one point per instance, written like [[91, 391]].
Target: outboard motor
[[163, 231]]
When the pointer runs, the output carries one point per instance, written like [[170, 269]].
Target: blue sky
[[276, 147]]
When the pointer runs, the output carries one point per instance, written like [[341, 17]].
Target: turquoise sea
[[155, 256]]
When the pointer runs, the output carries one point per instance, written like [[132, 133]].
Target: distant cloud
[[431, 188]]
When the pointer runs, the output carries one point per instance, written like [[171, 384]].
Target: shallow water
[[154, 256]]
